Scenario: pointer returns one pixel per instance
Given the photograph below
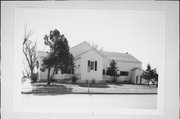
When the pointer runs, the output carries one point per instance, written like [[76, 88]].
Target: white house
[[91, 64]]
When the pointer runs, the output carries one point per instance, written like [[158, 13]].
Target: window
[[69, 71], [56, 71], [95, 65], [62, 72], [104, 71], [124, 73], [92, 65], [72, 71], [88, 68]]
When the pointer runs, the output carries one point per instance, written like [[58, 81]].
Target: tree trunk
[[115, 79], [53, 74], [48, 76], [31, 70], [32, 76], [148, 82]]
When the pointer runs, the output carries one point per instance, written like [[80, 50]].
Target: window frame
[[124, 73]]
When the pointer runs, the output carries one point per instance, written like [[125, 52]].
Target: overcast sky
[[140, 33]]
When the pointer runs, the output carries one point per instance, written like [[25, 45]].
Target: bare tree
[[96, 46], [26, 71], [29, 51]]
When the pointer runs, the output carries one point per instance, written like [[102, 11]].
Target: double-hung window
[[56, 71], [92, 65]]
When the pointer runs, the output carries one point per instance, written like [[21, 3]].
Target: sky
[[141, 33]]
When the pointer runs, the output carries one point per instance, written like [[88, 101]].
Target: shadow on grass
[[96, 85], [49, 90]]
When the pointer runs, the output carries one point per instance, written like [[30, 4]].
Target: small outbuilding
[[136, 75]]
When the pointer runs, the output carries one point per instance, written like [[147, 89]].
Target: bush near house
[[67, 80], [102, 82], [74, 79], [93, 81], [45, 80], [127, 82], [94, 85], [112, 80], [34, 77], [64, 81], [109, 81], [53, 80]]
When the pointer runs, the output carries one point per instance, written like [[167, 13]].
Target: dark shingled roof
[[120, 56], [125, 57]]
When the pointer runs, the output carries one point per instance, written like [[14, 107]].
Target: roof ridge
[[115, 52], [79, 44]]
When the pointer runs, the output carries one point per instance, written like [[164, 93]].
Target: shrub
[[114, 79], [53, 80], [65, 81], [74, 79], [34, 77], [126, 82], [93, 81], [102, 82], [108, 81], [87, 82]]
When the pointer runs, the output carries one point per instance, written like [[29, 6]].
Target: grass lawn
[[82, 88], [43, 89]]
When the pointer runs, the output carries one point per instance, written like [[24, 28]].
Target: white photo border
[[163, 6]]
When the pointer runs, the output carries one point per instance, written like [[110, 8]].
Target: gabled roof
[[90, 49], [80, 49], [136, 68], [120, 56], [84, 42], [124, 57]]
